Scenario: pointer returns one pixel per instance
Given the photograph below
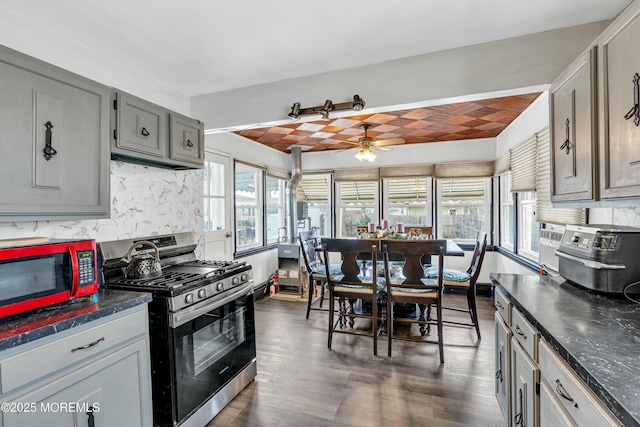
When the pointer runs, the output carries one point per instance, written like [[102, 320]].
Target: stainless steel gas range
[[201, 323]]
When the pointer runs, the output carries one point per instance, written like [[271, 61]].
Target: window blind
[[362, 174], [463, 170], [523, 166], [503, 164], [545, 212], [277, 173], [409, 171]]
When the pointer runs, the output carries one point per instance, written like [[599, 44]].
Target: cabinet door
[[54, 150], [187, 141], [552, 413], [141, 127], [113, 391], [502, 366], [574, 132], [620, 113], [524, 378]]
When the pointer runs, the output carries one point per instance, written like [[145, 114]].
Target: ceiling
[[451, 122], [202, 46]]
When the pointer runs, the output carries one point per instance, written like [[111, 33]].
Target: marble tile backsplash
[[615, 216], [145, 201]]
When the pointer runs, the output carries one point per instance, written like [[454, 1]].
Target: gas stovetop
[[184, 278]]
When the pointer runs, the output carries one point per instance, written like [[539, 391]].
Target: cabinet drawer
[[526, 335], [572, 393], [552, 413], [503, 307], [69, 351]]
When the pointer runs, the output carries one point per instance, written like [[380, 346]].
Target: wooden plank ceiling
[[451, 122]]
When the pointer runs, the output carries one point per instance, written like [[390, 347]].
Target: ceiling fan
[[368, 144]]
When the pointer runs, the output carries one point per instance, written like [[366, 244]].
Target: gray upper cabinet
[[149, 134], [54, 147], [574, 134], [619, 63]]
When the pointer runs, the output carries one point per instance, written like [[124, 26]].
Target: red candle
[[400, 227], [372, 227], [385, 224]]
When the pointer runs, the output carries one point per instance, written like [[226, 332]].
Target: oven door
[[212, 344]]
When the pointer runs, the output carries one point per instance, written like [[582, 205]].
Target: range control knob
[[202, 293], [219, 286], [235, 280], [188, 298], [244, 277], [575, 238]]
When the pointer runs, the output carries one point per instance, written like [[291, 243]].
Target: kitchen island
[[597, 336]]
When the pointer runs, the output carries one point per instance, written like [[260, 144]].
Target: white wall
[[518, 65]]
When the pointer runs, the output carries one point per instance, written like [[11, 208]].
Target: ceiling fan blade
[[384, 142], [376, 148]]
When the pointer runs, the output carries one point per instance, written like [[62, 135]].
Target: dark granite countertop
[[597, 335], [27, 327]]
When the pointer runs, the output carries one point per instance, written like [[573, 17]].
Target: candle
[[372, 227], [385, 224], [400, 227]]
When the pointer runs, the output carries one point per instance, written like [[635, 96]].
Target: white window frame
[[506, 201], [526, 204], [279, 205], [326, 232], [258, 207], [339, 205], [386, 205], [487, 209]]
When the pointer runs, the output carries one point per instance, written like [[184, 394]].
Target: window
[[314, 190], [214, 197], [507, 214], [274, 195], [357, 206], [529, 228], [464, 208], [407, 200], [248, 203]]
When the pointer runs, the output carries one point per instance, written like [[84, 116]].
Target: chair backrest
[[309, 245], [351, 250], [478, 256], [412, 251]]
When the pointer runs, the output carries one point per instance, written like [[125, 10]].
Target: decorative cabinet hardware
[[499, 372], [91, 420], [189, 143], [519, 332], [48, 150], [635, 110], [519, 417], [498, 304], [144, 132], [84, 347], [566, 145], [563, 393]]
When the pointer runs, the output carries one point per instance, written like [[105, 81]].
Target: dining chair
[[465, 280], [316, 268], [353, 285], [412, 287]]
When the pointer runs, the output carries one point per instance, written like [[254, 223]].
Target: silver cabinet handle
[[563, 393], [84, 347]]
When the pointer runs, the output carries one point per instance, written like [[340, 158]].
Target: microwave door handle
[[74, 271]]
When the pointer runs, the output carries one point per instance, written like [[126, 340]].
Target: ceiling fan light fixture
[[366, 154], [358, 103], [295, 111]]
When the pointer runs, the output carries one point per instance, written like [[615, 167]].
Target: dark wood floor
[[302, 383]]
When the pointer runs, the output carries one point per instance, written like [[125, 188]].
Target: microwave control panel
[[86, 268], [587, 241]]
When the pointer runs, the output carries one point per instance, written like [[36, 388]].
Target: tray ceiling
[[451, 122]]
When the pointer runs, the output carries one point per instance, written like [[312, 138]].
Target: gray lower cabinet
[[54, 147], [149, 134], [524, 380], [574, 137], [502, 366], [619, 64], [98, 375]]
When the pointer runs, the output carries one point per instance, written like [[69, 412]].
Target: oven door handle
[[593, 264], [197, 310]]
